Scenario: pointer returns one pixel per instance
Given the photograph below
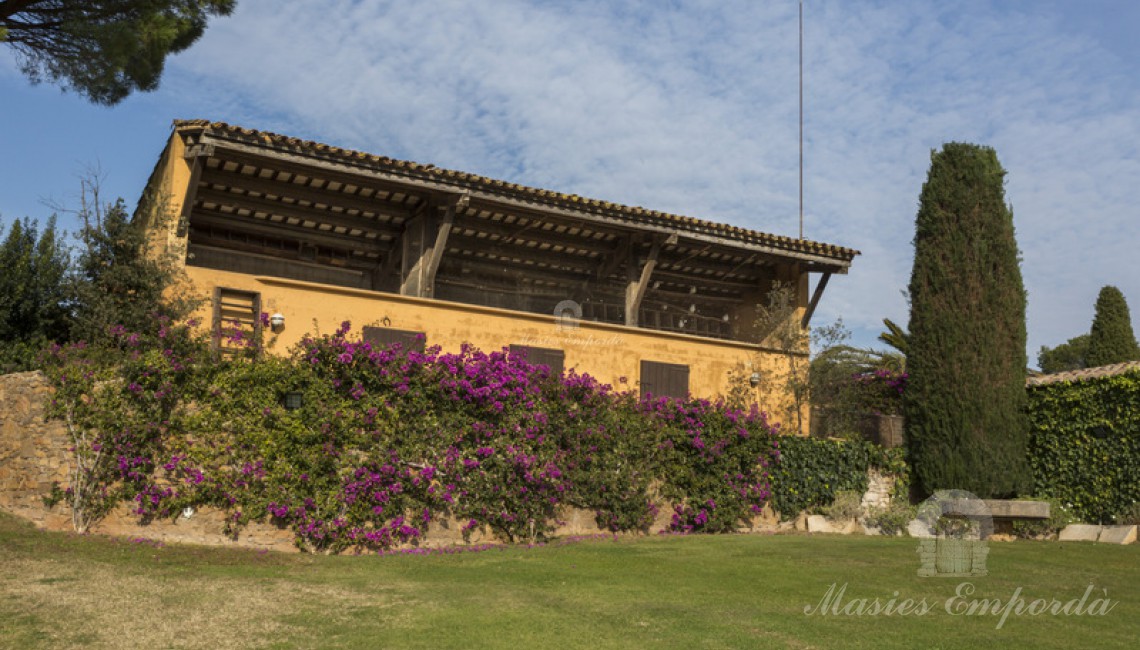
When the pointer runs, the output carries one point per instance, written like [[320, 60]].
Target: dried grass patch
[[97, 606]]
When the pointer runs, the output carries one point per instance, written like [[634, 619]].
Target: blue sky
[[686, 107]]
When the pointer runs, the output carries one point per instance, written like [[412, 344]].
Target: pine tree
[[1111, 339], [103, 49], [33, 296], [965, 402]]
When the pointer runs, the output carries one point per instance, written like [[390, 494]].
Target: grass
[[61, 591]]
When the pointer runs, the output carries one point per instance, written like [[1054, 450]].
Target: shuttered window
[[237, 318], [664, 379], [549, 357], [385, 337]]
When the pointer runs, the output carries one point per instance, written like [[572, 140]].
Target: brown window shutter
[[549, 357], [385, 337], [664, 379], [235, 309]]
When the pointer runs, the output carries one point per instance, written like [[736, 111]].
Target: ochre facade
[[610, 353], [214, 185]]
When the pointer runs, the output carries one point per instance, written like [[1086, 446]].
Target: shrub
[[847, 506], [893, 519], [387, 442], [1060, 516], [1129, 516]]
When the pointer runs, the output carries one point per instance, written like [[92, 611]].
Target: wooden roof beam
[[292, 211], [535, 231], [689, 279], [520, 250], [300, 234], [341, 172], [234, 150], [206, 241], [298, 191], [570, 280]]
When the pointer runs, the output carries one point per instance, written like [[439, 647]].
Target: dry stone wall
[[34, 456], [33, 452]]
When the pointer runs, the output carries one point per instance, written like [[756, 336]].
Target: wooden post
[[424, 242], [195, 155], [639, 279]]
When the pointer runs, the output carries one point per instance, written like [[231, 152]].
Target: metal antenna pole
[[801, 119]]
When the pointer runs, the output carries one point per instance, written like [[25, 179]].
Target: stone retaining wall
[[34, 455]]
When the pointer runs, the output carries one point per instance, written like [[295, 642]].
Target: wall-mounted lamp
[[277, 322], [754, 380], [294, 400]]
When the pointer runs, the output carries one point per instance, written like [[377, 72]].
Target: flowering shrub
[[881, 391], [388, 441]]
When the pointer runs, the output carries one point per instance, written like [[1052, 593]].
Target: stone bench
[[1003, 512]]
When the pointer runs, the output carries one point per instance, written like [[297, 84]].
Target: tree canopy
[[1111, 339], [33, 292], [103, 49], [118, 280], [965, 402], [1070, 355]]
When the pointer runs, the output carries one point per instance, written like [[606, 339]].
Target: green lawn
[[746, 591]]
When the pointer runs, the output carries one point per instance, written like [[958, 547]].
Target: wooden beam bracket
[[815, 298], [639, 280], [423, 249]]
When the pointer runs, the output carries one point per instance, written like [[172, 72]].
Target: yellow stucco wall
[[606, 352]]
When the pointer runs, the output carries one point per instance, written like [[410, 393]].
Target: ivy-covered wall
[[1084, 443], [811, 471]]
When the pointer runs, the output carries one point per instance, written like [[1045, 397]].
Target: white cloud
[[691, 108]]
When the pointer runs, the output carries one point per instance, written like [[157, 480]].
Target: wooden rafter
[[341, 172], [541, 231], [247, 183], [260, 248], [293, 211], [416, 180], [298, 233]]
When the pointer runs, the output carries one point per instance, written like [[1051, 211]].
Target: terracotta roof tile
[[431, 172], [1085, 373]]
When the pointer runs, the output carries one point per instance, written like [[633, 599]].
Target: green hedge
[[811, 471], [1084, 445]]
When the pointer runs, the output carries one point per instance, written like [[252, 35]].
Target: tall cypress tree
[[1111, 339], [965, 402]]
